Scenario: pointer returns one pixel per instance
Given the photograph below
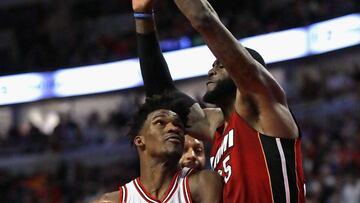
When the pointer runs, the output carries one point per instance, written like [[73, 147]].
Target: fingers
[[196, 115], [215, 115], [143, 5], [196, 112]]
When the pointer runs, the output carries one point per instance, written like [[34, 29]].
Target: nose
[[211, 72], [173, 128], [190, 155]]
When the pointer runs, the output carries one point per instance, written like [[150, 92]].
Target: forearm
[[235, 58], [154, 69], [199, 12], [145, 25]]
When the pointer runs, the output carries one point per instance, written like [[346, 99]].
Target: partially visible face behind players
[[194, 154], [219, 83], [162, 135]]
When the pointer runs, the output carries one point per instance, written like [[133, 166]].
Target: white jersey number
[[226, 168]]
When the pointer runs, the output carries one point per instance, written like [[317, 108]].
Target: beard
[[223, 89]]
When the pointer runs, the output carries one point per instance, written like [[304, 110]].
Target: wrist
[[144, 14], [143, 10]]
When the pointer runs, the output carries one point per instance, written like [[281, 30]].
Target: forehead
[[192, 140], [163, 113]]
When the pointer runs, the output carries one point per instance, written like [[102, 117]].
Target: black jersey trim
[[274, 166]]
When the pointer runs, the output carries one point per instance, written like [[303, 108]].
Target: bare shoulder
[[111, 197], [205, 175], [206, 186]]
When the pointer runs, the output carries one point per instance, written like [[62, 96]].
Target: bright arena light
[[334, 34], [186, 63], [97, 78], [22, 88], [279, 46]]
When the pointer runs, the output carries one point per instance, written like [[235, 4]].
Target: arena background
[[72, 149]]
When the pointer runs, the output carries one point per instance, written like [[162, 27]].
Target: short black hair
[[171, 100], [256, 56]]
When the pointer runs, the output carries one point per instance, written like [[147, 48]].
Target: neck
[[227, 106], [156, 176]]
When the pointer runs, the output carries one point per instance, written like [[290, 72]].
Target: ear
[[139, 141]]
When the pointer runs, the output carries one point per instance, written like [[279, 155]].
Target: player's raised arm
[[156, 75], [154, 69], [259, 99], [242, 68]]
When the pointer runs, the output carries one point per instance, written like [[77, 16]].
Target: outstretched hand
[[143, 5], [204, 122]]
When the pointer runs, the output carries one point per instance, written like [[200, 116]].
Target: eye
[[159, 123], [218, 65], [198, 150]]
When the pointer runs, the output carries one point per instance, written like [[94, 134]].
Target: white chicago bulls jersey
[[178, 191]]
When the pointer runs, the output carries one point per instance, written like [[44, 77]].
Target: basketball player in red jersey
[[158, 135], [257, 150]]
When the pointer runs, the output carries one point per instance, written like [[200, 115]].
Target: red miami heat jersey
[[257, 168], [178, 191]]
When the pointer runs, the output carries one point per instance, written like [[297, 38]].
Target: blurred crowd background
[[43, 35], [73, 149]]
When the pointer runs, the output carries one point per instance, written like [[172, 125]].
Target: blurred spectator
[[48, 35], [94, 130], [351, 190], [66, 135], [310, 85]]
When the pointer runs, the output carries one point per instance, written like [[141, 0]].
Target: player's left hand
[[202, 123], [143, 5]]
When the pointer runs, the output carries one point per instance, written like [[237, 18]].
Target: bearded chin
[[223, 89]]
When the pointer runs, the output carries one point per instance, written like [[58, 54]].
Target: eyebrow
[[161, 115], [165, 114]]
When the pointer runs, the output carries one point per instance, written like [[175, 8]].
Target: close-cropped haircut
[[256, 56], [175, 101]]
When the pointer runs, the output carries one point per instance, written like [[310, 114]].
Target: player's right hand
[[143, 5]]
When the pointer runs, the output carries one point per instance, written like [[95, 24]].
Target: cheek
[[222, 73], [155, 134], [223, 76], [201, 158], [154, 142], [202, 162]]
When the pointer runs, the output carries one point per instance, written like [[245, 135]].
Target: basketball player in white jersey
[[157, 133]]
